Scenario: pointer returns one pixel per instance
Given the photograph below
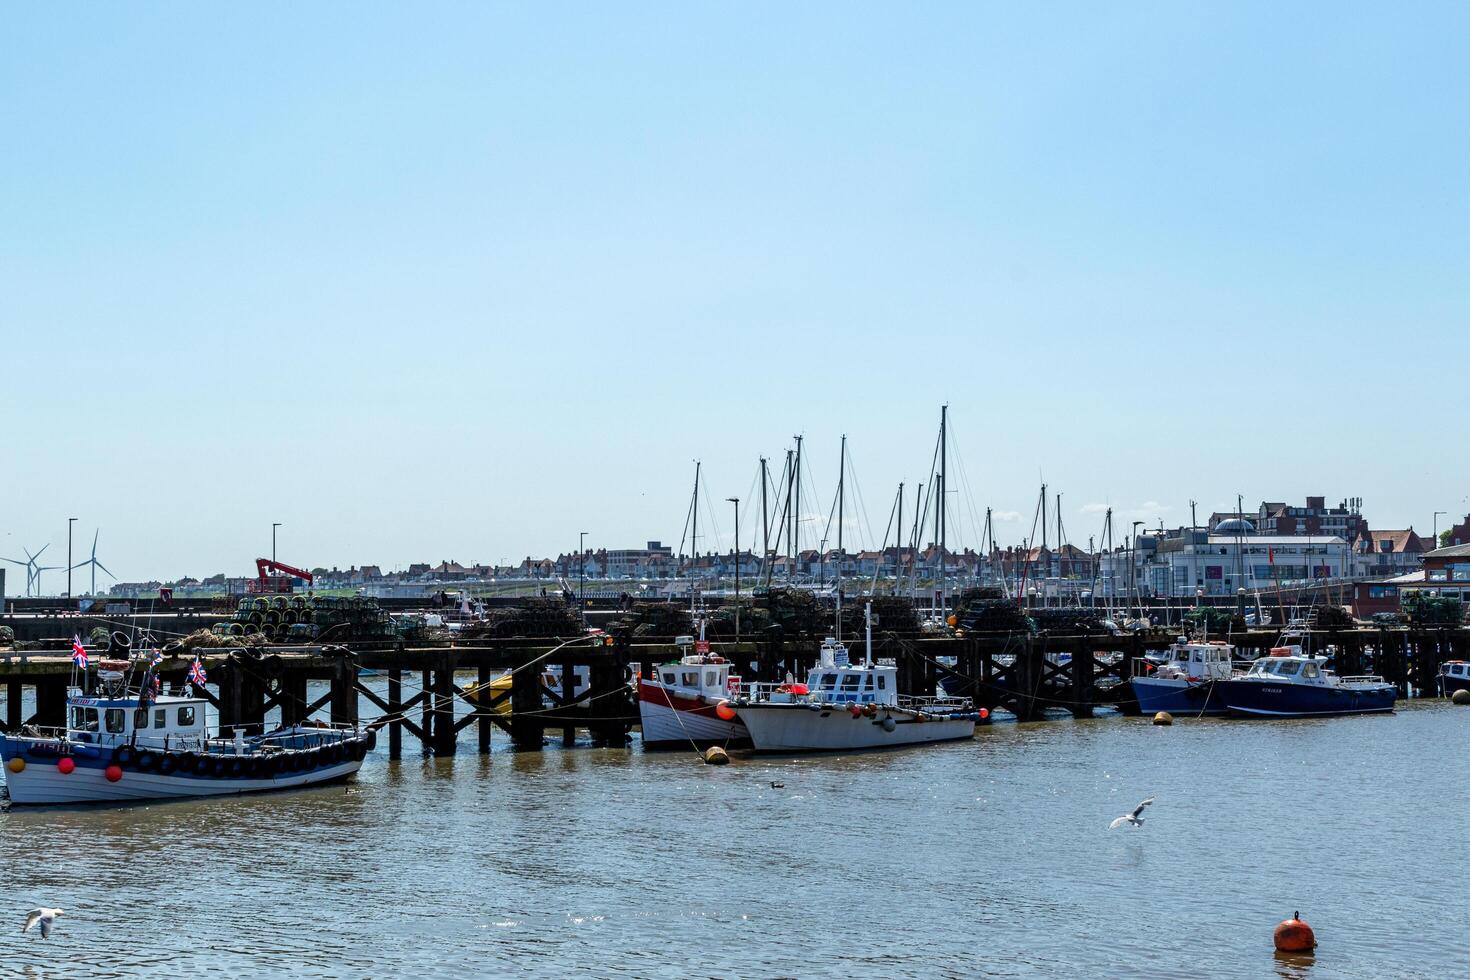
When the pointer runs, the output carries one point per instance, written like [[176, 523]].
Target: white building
[[1219, 562]]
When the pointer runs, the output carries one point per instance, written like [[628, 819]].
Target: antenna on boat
[[868, 634]]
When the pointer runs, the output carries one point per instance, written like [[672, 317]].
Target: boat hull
[[805, 728], [669, 720], [40, 779], [41, 784], [1263, 699], [1156, 694]]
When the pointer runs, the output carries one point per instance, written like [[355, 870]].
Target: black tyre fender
[[147, 761]]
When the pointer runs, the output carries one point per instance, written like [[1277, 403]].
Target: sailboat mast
[[694, 536], [914, 544], [939, 516], [765, 519], [796, 512], [898, 539], [841, 474], [1043, 516]]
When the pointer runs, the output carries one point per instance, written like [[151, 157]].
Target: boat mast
[[868, 635], [765, 520], [694, 540], [898, 540], [796, 511], [914, 546], [841, 474], [940, 521]]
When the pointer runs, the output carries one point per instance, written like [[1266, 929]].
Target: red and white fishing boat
[[686, 702]]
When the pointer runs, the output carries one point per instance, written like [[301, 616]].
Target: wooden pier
[[421, 691]]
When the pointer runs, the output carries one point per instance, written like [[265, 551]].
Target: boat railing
[[768, 691], [1361, 679], [923, 703]]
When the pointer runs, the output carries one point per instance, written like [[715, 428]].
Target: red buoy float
[[1295, 936], [857, 711], [725, 711], [984, 713], [113, 773], [65, 765]]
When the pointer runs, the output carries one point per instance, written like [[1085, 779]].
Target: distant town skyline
[[464, 281]]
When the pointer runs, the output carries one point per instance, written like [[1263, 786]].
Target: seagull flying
[[47, 918], [1135, 818]]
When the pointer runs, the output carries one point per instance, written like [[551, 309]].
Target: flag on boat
[[157, 658], [78, 652], [196, 672]]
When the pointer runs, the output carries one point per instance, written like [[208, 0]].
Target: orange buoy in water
[[1295, 936], [725, 711]]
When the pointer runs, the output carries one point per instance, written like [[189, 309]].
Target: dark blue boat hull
[[1266, 699], [1201, 697]]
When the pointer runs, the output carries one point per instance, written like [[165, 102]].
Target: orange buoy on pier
[[1295, 936]]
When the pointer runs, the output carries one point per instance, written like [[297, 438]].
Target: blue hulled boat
[[1290, 684], [1185, 682]]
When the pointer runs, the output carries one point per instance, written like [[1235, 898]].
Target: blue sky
[[461, 280]]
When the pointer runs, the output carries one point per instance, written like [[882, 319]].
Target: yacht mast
[[841, 474]]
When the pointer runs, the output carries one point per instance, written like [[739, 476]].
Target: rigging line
[[965, 483], [780, 528], [893, 515], [709, 510], [866, 542], [683, 535], [923, 522]]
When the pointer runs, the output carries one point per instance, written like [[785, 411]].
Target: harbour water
[[983, 858]]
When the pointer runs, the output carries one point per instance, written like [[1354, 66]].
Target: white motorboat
[[843, 706]]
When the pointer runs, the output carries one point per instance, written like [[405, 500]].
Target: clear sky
[[428, 281]]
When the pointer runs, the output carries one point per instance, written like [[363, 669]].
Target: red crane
[[282, 582]]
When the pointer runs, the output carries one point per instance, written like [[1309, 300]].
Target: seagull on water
[[46, 917], [1135, 818]]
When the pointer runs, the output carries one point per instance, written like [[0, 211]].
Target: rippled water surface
[[985, 858]]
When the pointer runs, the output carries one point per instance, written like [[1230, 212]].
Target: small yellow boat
[[550, 679]]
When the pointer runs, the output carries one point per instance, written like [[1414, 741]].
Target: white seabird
[[46, 917], [1135, 818]]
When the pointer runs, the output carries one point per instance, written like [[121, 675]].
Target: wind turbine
[[95, 564], [33, 571], [36, 570]]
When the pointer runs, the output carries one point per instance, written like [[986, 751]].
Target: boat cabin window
[[826, 681], [882, 683], [711, 678], [1287, 667], [1309, 670], [140, 719], [691, 678], [850, 681], [114, 719], [186, 716], [160, 717], [669, 676], [84, 719]]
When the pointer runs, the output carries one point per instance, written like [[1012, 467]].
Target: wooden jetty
[[417, 690]]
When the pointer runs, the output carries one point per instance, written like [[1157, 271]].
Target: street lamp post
[[273, 541], [736, 502], [582, 576], [1133, 568], [69, 522]]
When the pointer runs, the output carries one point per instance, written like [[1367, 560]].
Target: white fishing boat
[[844, 707], [688, 701], [120, 746], [1185, 681]]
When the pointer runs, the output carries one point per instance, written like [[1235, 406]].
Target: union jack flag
[[196, 673], [78, 652]]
